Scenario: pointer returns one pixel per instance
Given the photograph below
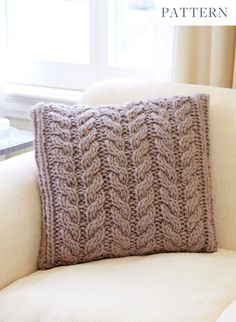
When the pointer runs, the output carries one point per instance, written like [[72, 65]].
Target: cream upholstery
[[19, 218], [229, 313], [165, 287]]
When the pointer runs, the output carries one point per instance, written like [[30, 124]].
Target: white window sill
[[20, 98]]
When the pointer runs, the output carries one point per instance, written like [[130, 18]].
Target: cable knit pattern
[[124, 180], [167, 174], [93, 182], [144, 180], [193, 210], [119, 192], [65, 203]]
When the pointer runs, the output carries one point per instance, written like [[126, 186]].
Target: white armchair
[[163, 287]]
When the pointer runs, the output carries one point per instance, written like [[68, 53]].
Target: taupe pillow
[[124, 180]]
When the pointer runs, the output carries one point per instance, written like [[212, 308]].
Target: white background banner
[[196, 12]]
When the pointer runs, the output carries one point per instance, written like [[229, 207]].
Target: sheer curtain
[[205, 55], [234, 72]]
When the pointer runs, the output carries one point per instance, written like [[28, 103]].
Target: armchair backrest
[[20, 211], [222, 138]]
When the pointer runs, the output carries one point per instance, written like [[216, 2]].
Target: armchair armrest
[[19, 218]]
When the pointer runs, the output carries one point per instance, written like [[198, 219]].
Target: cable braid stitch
[[118, 176], [93, 182], [167, 174], [65, 187], [144, 179], [193, 209], [123, 180]]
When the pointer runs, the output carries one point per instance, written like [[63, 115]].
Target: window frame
[[76, 76], [106, 71], [56, 74]]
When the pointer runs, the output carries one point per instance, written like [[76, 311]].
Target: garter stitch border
[[124, 180]]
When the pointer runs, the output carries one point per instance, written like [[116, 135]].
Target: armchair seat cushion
[[163, 287]]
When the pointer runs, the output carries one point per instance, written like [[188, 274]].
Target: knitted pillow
[[124, 180]]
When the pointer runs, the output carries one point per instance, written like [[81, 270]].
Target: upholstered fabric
[[229, 313], [174, 287], [124, 180], [19, 218], [222, 115], [20, 204]]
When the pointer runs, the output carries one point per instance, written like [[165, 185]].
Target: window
[[136, 46], [131, 31], [50, 42], [73, 43], [45, 30]]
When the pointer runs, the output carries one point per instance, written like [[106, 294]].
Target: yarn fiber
[[124, 180]]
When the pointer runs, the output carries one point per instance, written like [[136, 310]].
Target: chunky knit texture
[[124, 180]]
